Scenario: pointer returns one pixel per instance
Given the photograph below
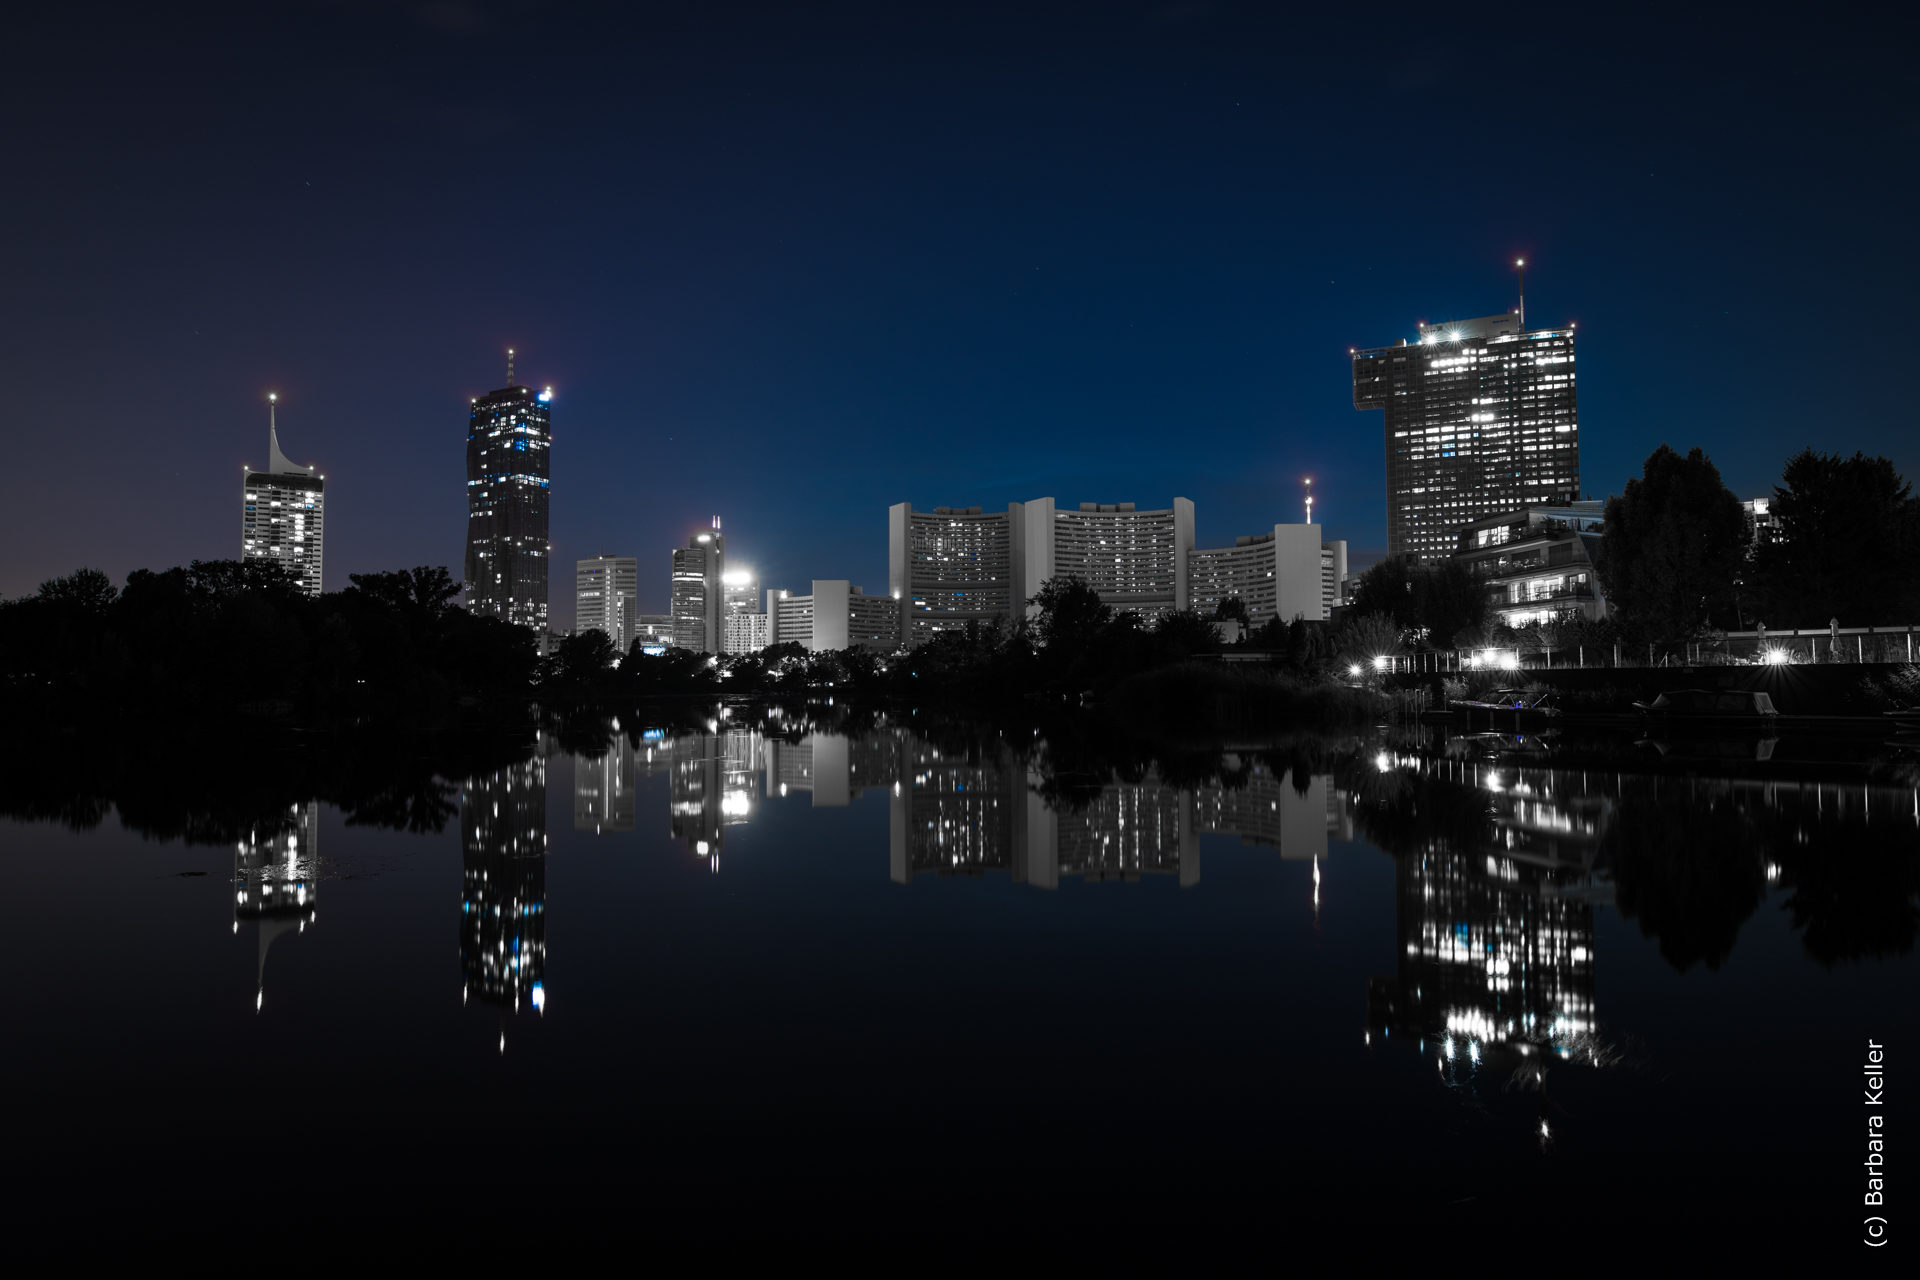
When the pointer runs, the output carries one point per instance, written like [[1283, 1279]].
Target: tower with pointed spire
[[283, 512], [509, 434]]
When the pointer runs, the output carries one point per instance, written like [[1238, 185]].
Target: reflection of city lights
[[701, 848], [1354, 670], [735, 804], [540, 997], [1382, 762]]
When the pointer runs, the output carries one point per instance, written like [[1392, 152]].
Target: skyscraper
[[698, 607], [509, 434], [605, 597], [283, 512], [1481, 418]]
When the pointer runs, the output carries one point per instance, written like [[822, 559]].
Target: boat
[[1507, 711], [1710, 704]]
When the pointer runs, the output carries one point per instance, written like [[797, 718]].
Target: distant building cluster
[[1482, 434]]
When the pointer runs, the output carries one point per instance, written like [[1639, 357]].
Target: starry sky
[[791, 263]]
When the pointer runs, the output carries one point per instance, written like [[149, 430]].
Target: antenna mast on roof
[[1520, 265], [1309, 499], [509, 367], [716, 522]]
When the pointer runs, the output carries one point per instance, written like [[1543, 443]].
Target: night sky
[[792, 263]]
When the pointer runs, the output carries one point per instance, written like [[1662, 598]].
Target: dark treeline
[[1074, 649], [1679, 561], [225, 635]]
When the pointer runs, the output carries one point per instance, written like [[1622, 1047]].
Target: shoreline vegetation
[[233, 638]]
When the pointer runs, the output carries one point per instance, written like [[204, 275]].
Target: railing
[[1821, 645]]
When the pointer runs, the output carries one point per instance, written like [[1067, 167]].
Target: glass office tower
[[1481, 418], [283, 512], [509, 434]]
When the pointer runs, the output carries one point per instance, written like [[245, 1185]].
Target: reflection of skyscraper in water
[[503, 921], [1495, 941], [711, 782], [274, 881], [603, 798]]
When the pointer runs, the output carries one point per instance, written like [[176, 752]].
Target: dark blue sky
[[790, 264]]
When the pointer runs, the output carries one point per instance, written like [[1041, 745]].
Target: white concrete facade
[[836, 614], [1133, 559], [1288, 573]]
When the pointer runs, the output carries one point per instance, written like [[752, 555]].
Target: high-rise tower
[[283, 512], [509, 434], [1481, 418], [698, 606]]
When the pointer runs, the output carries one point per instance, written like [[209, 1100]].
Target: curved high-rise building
[[509, 433], [283, 512]]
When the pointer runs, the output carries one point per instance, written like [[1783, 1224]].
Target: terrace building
[[1538, 562]]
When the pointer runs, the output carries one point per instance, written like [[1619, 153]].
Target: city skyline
[[1072, 254]]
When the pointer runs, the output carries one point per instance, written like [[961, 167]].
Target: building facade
[[951, 567], [1481, 418], [283, 513], [1537, 562], [744, 627], [1134, 559], [748, 632], [835, 615], [698, 605], [509, 437], [606, 598], [1286, 574]]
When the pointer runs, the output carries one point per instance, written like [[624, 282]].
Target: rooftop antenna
[[1520, 265], [1309, 499], [716, 522], [509, 367]]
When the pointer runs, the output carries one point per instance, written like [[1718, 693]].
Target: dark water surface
[[709, 987]]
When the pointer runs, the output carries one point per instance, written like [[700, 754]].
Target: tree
[[1230, 608], [1071, 614], [1849, 544], [1674, 544], [1436, 601], [1387, 588], [1447, 599]]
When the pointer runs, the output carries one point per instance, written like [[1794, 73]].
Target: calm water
[[746, 981]]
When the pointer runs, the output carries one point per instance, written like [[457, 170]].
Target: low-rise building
[[1288, 573], [1538, 562], [836, 614]]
